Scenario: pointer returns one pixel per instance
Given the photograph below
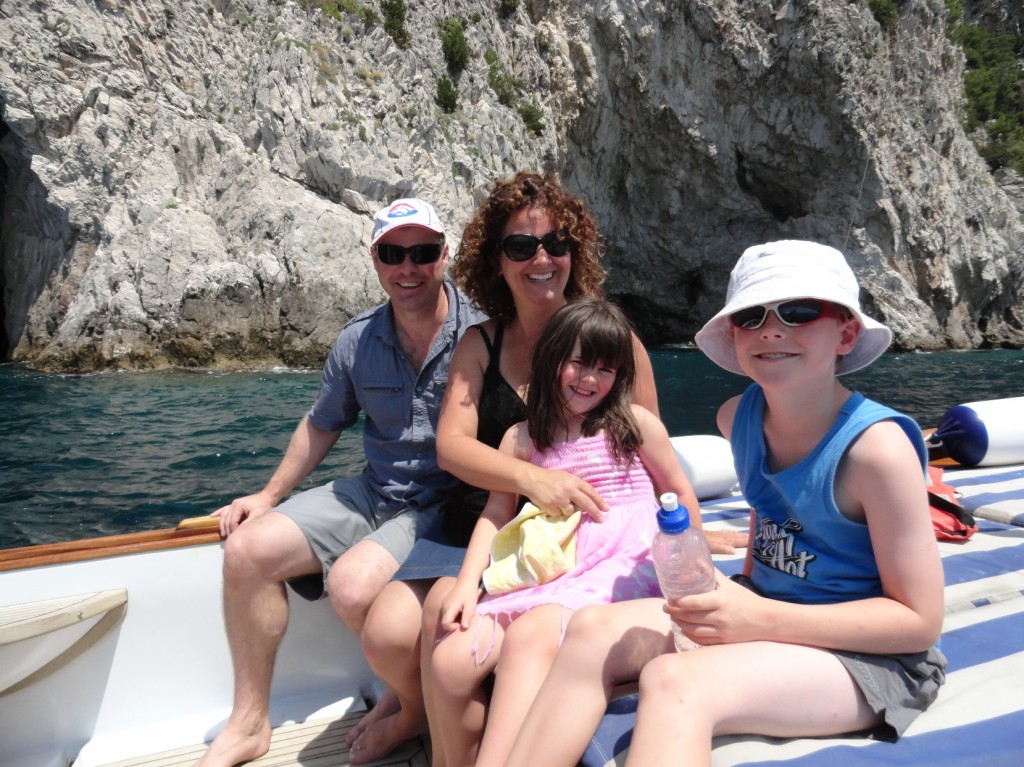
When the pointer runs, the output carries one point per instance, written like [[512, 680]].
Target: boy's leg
[[527, 653], [760, 688], [604, 645], [459, 665]]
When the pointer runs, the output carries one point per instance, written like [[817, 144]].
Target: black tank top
[[500, 408]]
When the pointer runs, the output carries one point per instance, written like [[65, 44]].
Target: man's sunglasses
[[393, 255], [523, 247], [790, 313]]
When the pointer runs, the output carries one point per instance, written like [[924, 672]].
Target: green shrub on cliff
[[994, 87], [394, 21], [454, 46]]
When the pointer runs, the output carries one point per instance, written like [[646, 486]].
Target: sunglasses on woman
[[790, 313], [393, 255], [523, 247]]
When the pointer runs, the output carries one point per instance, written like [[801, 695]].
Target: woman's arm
[[645, 393], [461, 453]]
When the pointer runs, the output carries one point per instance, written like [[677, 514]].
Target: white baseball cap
[[409, 211], [780, 271]]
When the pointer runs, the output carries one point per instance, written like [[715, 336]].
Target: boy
[[837, 634]]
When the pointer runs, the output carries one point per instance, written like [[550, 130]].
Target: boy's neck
[[796, 420]]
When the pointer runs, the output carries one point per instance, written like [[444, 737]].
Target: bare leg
[[459, 665], [430, 632], [357, 579], [527, 653], [258, 558], [761, 688], [391, 641], [604, 645]]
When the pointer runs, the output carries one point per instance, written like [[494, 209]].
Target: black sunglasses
[[523, 247], [393, 255], [790, 313]]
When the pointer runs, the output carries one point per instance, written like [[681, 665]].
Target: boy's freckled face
[[775, 348]]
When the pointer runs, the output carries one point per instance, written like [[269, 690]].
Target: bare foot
[[387, 705], [236, 744], [381, 737]]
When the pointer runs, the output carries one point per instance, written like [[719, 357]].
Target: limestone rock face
[[193, 183], [701, 128]]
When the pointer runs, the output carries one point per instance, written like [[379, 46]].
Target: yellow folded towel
[[533, 548]]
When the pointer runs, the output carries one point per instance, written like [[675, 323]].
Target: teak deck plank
[[319, 743]]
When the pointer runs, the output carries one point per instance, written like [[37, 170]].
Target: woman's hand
[[560, 494]]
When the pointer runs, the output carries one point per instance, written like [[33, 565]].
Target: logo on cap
[[401, 210]]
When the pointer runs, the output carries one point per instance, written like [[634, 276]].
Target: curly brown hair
[[476, 266]]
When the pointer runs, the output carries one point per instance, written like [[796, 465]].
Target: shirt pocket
[[385, 402]]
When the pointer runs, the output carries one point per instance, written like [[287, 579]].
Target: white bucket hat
[[409, 211], [779, 271]]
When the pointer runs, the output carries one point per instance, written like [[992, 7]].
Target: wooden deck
[[319, 743]]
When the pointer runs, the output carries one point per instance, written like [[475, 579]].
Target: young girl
[[580, 420], [837, 634]]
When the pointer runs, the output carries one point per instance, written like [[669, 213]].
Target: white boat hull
[[161, 678]]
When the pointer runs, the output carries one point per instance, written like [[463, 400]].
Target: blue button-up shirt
[[367, 371]]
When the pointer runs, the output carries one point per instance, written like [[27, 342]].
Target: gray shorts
[[336, 516], [899, 687]]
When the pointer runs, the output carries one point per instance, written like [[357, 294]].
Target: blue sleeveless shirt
[[804, 550]]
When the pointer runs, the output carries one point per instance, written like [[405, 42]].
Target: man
[[348, 537]]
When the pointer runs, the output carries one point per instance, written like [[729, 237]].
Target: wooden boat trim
[[108, 546]]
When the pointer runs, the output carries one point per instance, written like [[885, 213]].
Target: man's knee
[[268, 548], [357, 579]]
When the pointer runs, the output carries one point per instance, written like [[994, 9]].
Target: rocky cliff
[[192, 183]]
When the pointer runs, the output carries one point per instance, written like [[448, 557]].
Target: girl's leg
[[430, 632], [458, 700], [760, 688], [527, 652], [604, 645], [390, 640]]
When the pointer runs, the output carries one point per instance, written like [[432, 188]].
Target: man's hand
[[241, 509]]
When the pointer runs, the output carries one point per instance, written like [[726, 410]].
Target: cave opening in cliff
[[37, 243]]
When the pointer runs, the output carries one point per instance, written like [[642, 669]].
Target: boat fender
[[988, 433], [707, 461]]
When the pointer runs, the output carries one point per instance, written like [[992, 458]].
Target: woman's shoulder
[[476, 341]]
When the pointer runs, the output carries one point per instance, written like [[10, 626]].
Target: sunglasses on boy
[[800, 311], [523, 247], [393, 255]]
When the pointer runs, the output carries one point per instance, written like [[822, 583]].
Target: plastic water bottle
[[682, 559]]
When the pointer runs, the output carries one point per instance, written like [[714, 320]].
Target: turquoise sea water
[[87, 455]]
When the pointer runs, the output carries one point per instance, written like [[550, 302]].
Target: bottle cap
[[672, 518]]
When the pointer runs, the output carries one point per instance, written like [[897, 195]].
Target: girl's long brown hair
[[605, 336], [477, 263]]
